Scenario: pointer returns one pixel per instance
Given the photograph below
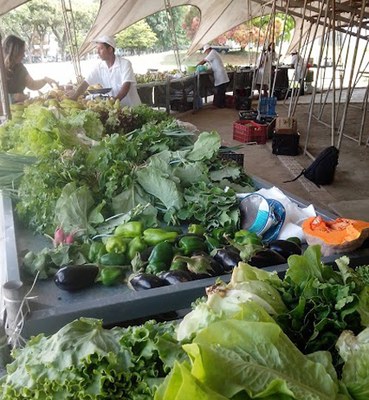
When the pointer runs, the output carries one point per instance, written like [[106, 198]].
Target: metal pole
[[172, 29], [333, 127], [343, 120], [311, 108], [4, 97]]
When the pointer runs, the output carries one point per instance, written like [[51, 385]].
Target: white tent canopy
[[217, 17], [8, 5]]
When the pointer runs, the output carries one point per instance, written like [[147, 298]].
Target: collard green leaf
[[205, 147]]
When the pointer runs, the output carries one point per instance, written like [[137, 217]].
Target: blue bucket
[[262, 216]]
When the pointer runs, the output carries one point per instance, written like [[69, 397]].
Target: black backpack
[[321, 170]]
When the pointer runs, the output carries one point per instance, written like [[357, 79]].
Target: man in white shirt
[[221, 78], [112, 72], [298, 63]]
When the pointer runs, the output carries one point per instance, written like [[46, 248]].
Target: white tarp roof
[[217, 17], [8, 5]]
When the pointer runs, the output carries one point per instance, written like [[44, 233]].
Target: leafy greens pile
[[85, 361], [160, 164], [291, 338]]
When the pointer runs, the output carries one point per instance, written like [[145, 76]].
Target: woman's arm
[[36, 84]]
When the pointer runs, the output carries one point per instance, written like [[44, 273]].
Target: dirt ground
[[347, 196]]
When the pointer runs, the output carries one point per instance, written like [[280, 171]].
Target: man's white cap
[[206, 47], [106, 39]]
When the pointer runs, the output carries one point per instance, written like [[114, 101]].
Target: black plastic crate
[[232, 156], [286, 144]]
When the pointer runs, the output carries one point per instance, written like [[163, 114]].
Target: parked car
[[221, 49]]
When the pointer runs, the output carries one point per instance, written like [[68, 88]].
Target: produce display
[[299, 335], [83, 186]]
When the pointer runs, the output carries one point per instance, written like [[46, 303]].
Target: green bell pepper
[[196, 229], [97, 249], [190, 244], [153, 236], [113, 259], [129, 229], [136, 245], [110, 276], [218, 234], [160, 258], [244, 237], [116, 244]]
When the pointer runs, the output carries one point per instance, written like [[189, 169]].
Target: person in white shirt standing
[[112, 72], [221, 78], [298, 63]]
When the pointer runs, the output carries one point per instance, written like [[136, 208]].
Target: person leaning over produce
[[17, 76], [112, 72], [220, 75]]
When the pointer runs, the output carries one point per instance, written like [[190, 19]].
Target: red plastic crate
[[246, 131], [229, 101]]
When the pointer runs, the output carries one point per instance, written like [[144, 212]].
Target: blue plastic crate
[[267, 105]]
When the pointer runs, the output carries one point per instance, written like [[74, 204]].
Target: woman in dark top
[[17, 76]]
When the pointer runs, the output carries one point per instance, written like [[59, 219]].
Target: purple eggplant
[[228, 257], [176, 276], [143, 281], [76, 277], [266, 258], [285, 247]]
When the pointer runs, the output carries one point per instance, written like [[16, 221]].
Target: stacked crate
[[286, 138]]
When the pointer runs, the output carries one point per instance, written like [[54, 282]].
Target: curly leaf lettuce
[[84, 361], [354, 350]]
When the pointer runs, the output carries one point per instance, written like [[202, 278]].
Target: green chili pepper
[[190, 244], [196, 229], [160, 258], [97, 249], [244, 237], [129, 229], [136, 245], [116, 244], [153, 236], [113, 259], [110, 276]]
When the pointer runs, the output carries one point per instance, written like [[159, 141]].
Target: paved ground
[[348, 196]]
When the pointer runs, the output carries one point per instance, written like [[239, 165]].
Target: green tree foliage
[[137, 37], [36, 20], [159, 24]]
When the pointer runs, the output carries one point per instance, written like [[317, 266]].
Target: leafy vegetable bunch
[[85, 361], [44, 129], [249, 325]]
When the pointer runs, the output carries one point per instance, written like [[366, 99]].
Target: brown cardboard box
[[285, 125]]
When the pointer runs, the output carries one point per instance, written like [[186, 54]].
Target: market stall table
[[51, 308]]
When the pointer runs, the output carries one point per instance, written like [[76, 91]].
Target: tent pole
[[363, 115], [311, 108], [345, 63], [70, 30], [172, 30], [333, 106], [4, 97], [290, 112], [343, 119]]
